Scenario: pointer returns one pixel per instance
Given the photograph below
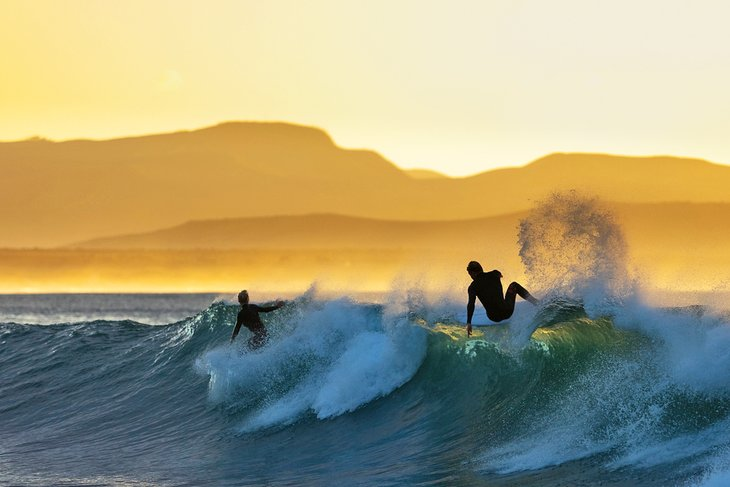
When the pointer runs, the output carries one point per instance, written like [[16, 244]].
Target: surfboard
[[479, 321], [457, 330]]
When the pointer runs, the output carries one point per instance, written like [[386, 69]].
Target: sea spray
[[572, 246]]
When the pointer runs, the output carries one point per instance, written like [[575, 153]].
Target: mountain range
[[56, 193]]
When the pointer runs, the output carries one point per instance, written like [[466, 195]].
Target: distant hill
[[654, 226], [313, 232], [53, 193]]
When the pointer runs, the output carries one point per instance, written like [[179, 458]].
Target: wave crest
[[326, 358]]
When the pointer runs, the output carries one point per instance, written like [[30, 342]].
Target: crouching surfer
[[249, 317], [487, 286]]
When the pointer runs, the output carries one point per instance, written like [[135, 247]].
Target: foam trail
[[335, 357]]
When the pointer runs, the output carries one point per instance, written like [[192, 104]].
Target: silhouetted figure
[[249, 317], [487, 286]]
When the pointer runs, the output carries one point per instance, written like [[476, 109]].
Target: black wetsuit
[[249, 317], [487, 286]]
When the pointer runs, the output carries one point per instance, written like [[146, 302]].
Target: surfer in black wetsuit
[[487, 286], [249, 317]]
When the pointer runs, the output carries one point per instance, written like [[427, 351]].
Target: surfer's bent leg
[[502, 311], [516, 289], [508, 306]]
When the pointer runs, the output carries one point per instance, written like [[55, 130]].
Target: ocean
[[595, 386], [147, 390]]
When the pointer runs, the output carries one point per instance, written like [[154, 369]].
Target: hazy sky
[[457, 86]]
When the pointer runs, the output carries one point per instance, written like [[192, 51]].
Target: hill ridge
[[79, 190]]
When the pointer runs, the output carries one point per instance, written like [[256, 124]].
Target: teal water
[[145, 390]]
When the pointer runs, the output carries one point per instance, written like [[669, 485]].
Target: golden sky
[[456, 86]]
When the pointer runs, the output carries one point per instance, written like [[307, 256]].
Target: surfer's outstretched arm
[[266, 309]]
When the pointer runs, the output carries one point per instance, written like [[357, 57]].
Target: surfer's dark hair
[[474, 266]]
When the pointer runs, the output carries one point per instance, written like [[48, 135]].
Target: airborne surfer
[[249, 317], [487, 286]]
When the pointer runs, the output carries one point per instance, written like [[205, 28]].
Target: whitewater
[[593, 387]]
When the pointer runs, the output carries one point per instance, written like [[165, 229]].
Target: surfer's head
[[474, 268], [243, 297]]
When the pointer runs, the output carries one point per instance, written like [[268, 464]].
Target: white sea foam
[[325, 358]]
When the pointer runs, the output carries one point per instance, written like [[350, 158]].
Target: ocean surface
[[146, 390], [592, 387]]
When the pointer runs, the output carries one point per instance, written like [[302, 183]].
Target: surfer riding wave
[[249, 317], [487, 286]]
